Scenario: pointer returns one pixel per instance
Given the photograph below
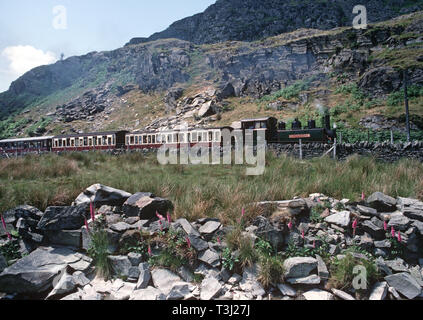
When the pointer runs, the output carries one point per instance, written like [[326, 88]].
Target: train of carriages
[[275, 132]]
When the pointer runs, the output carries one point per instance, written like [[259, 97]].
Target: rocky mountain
[[249, 20], [159, 82]]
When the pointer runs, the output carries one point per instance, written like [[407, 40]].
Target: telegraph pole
[[407, 113]]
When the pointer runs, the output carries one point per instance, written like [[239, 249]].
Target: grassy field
[[201, 191]]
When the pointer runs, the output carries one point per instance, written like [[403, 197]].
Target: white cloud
[[24, 58]]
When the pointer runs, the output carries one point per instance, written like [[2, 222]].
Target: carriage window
[[263, 125], [175, 137], [217, 136], [200, 138], [189, 137], [73, 143], [77, 143], [90, 141], [169, 138], [194, 137], [56, 144], [85, 141], [105, 140], [153, 139], [60, 143], [132, 140], [140, 139], [149, 139], [127, 140], [109, 141], [210, 136], [136, 139]]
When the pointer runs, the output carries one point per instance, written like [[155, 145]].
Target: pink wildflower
[[92, 211], [314, 244], [302, 234], [385, 225], [161, 225], [363, 197], [392, 232], [354, 225], [218, 240], [188, 242], [169, 219], [86, 225], [149, 251], [399, 236], [159, 216], [290, 225], [5, 228]]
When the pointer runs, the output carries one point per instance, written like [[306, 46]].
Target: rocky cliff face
[[371, 58], [249, 20]]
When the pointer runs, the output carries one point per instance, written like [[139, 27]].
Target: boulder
[[120, 265], [310, 280], [299, 267], [210, 288], [287, 290], [210, 257], [25, 212], [149, 293], [405, 284], [399, 221], [66, 284], [144, 277], [209, 228], [375, 231], [281, 209], [193, 235], [135, 258], [317, 294], [342, 295], [180, 291], [120, 227], [35, 273], [80, 279], [381, 202], [322, 270], [411, 208], [63, 218], [341, 219], [164, 280], [145, 206], [379, 291], [367, 210], [265, 230], [102, 195], [67, 238]]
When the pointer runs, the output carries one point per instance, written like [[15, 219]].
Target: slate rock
[[379, 291], [317, 294], [144, 277], [149, 293], [287, 290], [341, 219], [63, 218], [120, 265], [102, 195], [210, 257], [210, 288], [35, 273], [164, 279], [405, 284], [342, 295], [299, 267], [145, 206], [382, 202]]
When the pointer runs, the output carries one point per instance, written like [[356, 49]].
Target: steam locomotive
[[275, 132]]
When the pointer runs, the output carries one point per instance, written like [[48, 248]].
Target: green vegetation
[[201, 191], [289, 92], [11, 250], [343, 272], [99, 250], [228, 260], [174, 253], [397, 98]]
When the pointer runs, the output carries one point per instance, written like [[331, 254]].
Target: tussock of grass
[[201, 191], [343, 273]]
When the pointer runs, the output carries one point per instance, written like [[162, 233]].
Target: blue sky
[[32, 33]]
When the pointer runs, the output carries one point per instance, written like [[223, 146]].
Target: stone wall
[[381, 151]]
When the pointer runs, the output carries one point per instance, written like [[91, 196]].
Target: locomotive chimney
[[327, 122]]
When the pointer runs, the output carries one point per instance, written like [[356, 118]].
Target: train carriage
[[89, 141], [26, 145]]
